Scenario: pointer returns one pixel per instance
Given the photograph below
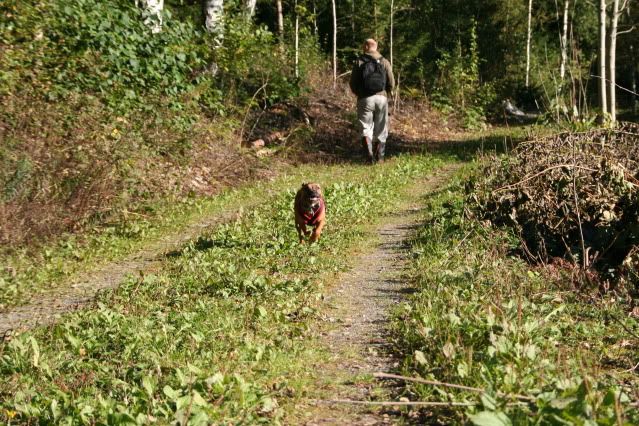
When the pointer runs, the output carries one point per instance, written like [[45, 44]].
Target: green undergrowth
[[222, 334], [481, 317], [31, 271]]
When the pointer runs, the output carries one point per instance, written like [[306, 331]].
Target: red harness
[[311, 218]]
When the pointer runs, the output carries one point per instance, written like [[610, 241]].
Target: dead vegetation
[[65, 167], [68, 166], [571, 196], [322, 127]]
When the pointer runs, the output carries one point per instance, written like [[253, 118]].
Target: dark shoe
[[380, 150], [368, 149]]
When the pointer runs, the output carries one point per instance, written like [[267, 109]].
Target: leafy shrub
[[535, 351], [96, 106], [459, 88]]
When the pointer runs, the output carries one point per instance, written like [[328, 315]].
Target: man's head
[[370, 46]]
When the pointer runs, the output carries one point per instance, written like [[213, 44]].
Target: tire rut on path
[[360, 306], [47, 307]]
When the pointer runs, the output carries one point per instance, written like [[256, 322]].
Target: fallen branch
[[448, 385], [559, 166], [618, 321], [248, 108], [396, 403]]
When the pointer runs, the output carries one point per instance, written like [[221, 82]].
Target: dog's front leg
[[301, 230], [317, 232]]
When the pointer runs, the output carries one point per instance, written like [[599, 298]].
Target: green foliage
[[104, 48], [95, 106], [459, 86], [483, 319], [221, 334], [99, 47]]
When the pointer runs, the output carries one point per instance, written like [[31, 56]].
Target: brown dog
[[310, 210]]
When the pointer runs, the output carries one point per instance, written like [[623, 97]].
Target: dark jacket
[[356, 83]]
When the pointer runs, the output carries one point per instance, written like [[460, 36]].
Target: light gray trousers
[[372, 113]]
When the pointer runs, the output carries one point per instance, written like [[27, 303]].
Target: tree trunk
[[353, 22], [612, 61], [530, 2], [297, 42], [280, 20], [634, 80], [564, 42], [375, 19], [392, 11], [213, 12], [314, 19], [249, 7], [334, 43], [603, 97], [153, 13]]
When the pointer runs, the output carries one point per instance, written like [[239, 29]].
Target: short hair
[[370, 44]]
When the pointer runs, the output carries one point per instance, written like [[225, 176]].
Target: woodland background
[[106, 104]]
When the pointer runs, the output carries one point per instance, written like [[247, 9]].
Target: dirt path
[[359, 341], [46, 308]]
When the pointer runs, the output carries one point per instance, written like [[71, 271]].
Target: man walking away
[[372, 79]]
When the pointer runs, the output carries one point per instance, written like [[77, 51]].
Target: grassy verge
[[29, 272], [483, 318], [222, 334]]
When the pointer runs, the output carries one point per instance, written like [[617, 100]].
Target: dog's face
[[311, 196]]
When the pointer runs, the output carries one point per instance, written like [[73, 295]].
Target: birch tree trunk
[[612, 61], [213, 12], [334, 44], [530, 2], [564, 42], [392, 12], [280, 20], [314, 19], [297, 42], [153, 13], [603, 97], [249, 7]]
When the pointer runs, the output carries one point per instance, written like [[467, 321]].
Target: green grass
[[29, 272], [222, 334], [482, 317]]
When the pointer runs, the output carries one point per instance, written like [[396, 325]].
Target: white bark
[[334, 44], [530, 2], [153, 13], [603, 97], [280, 20], [297, 42], [314, 19], [213, 11], [392, 12], [564, 42], [612, 62], [249, 7]]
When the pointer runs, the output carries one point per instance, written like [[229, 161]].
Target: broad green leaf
[[148, 385], [490, 418], [420, 358], [36, 351]]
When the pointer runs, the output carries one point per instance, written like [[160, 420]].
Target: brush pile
[[572, 196]]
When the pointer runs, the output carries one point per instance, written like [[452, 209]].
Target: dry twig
[[449, 385]]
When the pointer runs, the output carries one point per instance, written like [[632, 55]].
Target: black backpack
[[373, 75]]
